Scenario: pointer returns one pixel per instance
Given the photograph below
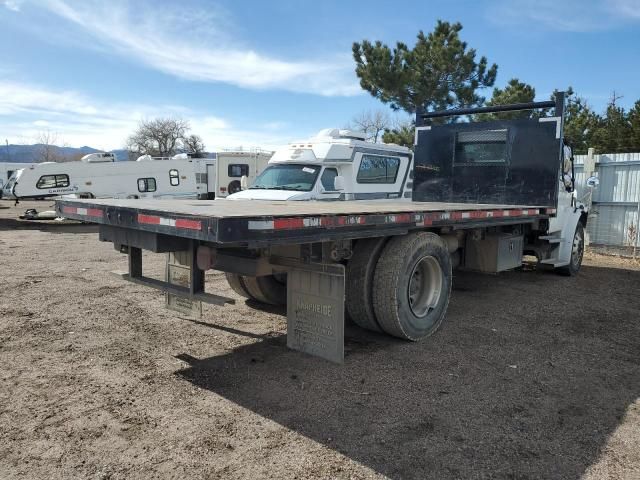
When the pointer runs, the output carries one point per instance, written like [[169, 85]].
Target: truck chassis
[[300, 239], [387, 264]]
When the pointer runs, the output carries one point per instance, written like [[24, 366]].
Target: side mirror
[[568, 152], [338, 183], [593, 182], [243, 182]]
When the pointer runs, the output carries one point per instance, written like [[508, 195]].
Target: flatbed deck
[[250, 222]]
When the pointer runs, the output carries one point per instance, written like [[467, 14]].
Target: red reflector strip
[[419, 219], [400, 218], [170, 222], [85, 212], [287, 223], [188, 224], [148, 219]]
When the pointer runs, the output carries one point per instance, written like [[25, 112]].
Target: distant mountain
[[122, 155], [33, 153]]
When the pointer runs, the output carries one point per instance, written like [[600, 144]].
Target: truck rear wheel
[[271, 289], [412, 285], [577, 252], [359, 289], [236, 283]]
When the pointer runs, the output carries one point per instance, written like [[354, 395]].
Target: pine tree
[[634, 127], [582, 126], [616, 131], [439, 72], [402, 134], [515, 92]]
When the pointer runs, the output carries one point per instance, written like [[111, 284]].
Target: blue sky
[[263, 73]]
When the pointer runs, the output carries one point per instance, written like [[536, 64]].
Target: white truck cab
[[334, 165]]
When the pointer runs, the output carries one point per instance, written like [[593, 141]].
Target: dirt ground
[[531, 376]]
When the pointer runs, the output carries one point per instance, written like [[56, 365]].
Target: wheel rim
[[577, 250], [425, 286]]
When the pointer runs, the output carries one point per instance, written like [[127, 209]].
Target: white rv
[[98, 175], [335, 164], [7, 169], [231, 166]]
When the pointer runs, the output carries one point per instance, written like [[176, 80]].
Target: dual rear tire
[[269, 289], [401, 287]]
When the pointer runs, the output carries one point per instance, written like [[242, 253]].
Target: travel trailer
[[231, 166], [7, 169], [98, 175]]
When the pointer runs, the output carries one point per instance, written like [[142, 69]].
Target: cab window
[[327, 179], [481, 147]]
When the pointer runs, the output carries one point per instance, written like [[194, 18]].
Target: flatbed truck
[[484, 194]]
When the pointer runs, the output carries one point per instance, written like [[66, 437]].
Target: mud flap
[[315, 312], [179, 266]]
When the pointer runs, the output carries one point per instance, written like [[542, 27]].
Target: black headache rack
[[512, 162]]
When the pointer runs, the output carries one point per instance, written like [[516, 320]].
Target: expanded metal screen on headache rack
[[511, 162]]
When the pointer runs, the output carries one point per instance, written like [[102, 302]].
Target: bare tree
[[161, 137], [372, 124], [49, 147], [194, 146]]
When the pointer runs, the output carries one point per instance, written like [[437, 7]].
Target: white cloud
[[198, 45], [26, 110], [565, 15], [625, 8], [13, 5]]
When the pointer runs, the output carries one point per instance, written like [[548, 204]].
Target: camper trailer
[[231, 166], [98, 175], [7, 169]]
